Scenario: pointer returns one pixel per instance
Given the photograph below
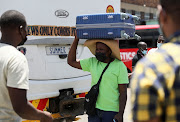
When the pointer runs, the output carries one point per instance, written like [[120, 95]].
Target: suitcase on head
[[106, 26]]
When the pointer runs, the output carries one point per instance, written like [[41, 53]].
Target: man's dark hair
[[172, 7], [12, 18], [140, 44]]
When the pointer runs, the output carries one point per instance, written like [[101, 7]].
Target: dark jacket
[[136, 58]]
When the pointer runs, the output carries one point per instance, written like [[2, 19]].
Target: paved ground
[[127, 117]]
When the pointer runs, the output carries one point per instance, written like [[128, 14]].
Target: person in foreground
[[155, 83], [112, 96], [14, 72]]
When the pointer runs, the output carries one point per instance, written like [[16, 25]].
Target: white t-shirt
[[14, 73], [152, 50]]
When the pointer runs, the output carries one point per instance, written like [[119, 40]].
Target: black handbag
[[91, 97]]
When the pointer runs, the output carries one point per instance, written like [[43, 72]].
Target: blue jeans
[[102, 116]]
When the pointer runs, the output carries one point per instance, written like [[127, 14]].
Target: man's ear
[[21, 30], [163, 17]]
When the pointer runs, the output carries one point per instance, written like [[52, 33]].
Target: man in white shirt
[[160, 41], [14, 72]]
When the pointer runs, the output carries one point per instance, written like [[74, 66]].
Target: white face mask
[[159, 45], [144, 52]]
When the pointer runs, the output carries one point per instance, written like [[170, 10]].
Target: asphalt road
[[127, 113]]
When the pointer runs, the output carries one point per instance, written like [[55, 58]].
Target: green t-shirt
[[116, 73]]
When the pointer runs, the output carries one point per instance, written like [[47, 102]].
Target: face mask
[[144, 52], [101, 57], [159, 45], [23, 41]]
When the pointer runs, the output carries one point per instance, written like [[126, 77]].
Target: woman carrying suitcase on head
[[112, 95]]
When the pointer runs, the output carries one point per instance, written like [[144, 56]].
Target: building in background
[[145, 9]]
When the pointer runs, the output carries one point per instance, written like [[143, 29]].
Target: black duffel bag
[[90, 100], [91, 97]]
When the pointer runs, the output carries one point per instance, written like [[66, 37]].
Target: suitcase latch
[[110, 33], [110, 17], [85, 18], [85, 34]]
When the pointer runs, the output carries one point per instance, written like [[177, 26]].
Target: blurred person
[[160, 41], [112, 96], [14, 72], [155, 83], [142, 46]]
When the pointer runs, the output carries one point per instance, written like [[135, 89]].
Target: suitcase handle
[[85, 34], [110, 33]]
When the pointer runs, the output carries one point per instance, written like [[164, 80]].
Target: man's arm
[[72, 54], [130, 75], [25, 109], [122, 101]]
